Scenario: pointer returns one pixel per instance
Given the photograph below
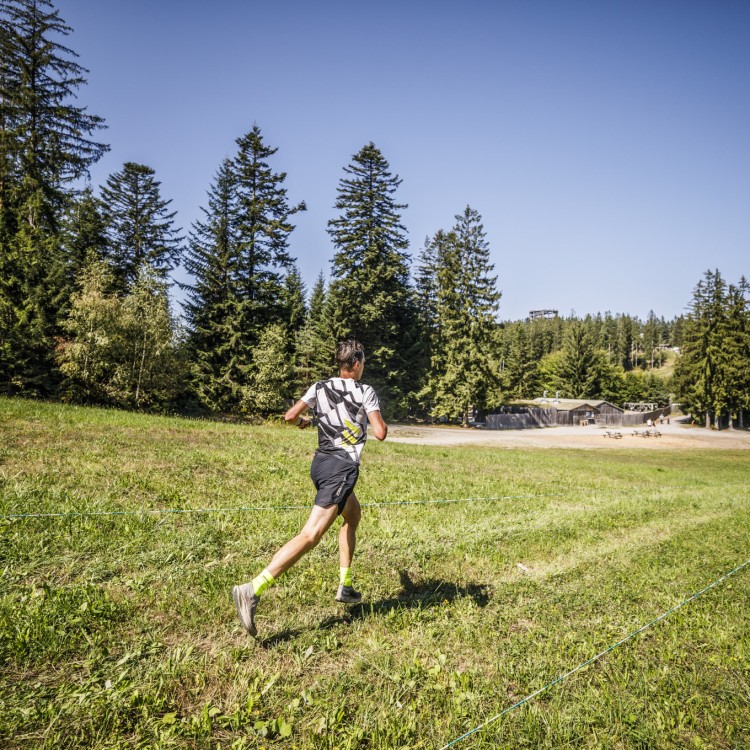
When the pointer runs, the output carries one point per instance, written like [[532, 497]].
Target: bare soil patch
[[675, 435]]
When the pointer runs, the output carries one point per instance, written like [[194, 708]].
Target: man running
[[343, 407]]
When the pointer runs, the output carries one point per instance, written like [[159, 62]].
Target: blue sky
[[605, 144]]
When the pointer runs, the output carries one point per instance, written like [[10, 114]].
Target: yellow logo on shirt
[[352, 434]]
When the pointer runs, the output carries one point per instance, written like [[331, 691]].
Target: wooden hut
[[576, 411]]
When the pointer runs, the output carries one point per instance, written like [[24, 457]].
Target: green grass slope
[[117, 627]]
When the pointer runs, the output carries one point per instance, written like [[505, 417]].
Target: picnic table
[[647, 433], [612, 434]]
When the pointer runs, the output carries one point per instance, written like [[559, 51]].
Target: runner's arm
[[295, 415], [379, 427]]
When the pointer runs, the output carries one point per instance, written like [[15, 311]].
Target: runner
[[343, 407]]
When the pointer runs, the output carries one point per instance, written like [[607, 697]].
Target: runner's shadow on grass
[[430, 593]]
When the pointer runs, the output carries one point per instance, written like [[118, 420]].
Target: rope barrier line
[[242, 509], [593, 658], [384, 503], [157, 511]]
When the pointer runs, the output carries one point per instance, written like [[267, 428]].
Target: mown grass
[[119, 630]]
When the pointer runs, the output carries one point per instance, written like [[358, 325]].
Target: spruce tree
[[734, 375], [698, 370], [46, 144], [314, 343], [579, 367], [652, 338], [140, 227], [83, 237], [520, 375], [464, 373], [264, 230], [218, 353], [369, 295], [245, 278], [426, 295], [293, 301]]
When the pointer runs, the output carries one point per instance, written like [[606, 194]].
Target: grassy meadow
[[118, 630]]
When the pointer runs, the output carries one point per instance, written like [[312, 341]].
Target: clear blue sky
[[606, 144]]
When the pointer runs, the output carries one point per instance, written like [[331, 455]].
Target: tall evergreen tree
[[579, 369], [698, 370], [293, 301], [245, 278], [464, 374], [734, 374], [46, 145], [264, 230], [83, 236], [626, 346], [216, 343], [369, 295], [314, 343], [426, 293], [520, 372], [652, 339], [140, 227]]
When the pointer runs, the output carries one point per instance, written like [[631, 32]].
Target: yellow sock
[[262, 582], [345, 576]]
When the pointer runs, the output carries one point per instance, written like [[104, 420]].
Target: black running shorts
[[334, 479]]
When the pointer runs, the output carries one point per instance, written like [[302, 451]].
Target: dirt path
[[673, 436]]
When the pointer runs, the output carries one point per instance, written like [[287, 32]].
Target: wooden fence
[[520, 418], [632, 419], [525, 417]]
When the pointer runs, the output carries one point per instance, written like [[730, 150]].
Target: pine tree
[[370, 297], [45, 146], [140, 227], [264, 230], [464, 374]]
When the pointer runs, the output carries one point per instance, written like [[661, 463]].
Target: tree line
[[85, 276]]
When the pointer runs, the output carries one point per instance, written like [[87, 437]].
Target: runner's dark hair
[[348, 353]]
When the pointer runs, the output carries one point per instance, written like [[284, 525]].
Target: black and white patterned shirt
[[341, 406]]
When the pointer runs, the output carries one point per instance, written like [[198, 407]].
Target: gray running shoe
[[246, 602], [348, 595]]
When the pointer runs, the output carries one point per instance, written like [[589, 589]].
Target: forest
[[87, 273]]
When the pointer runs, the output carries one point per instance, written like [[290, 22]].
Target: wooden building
[[575, 411]]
